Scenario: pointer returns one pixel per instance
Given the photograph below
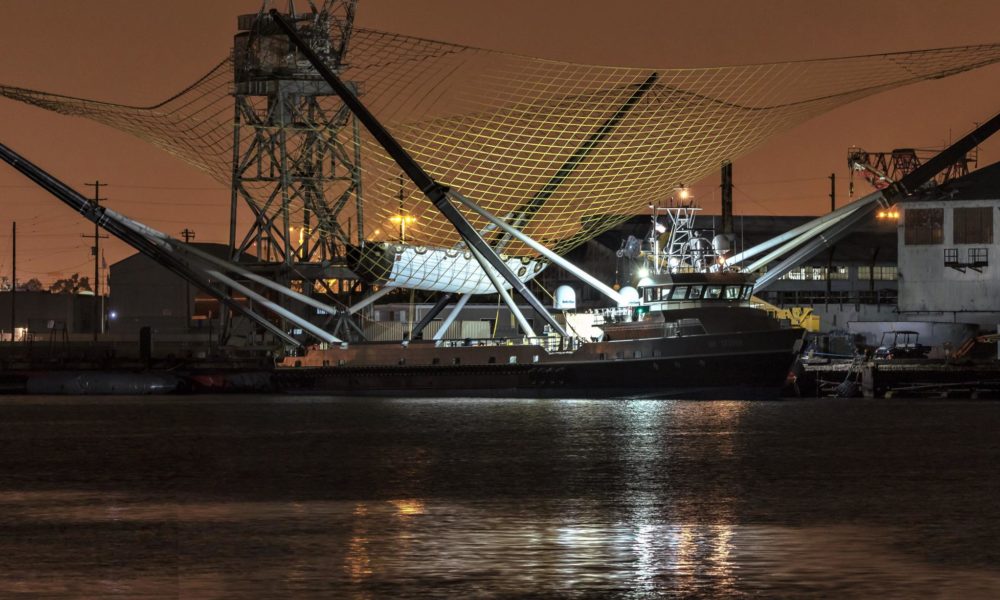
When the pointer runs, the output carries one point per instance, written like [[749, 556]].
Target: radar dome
[[630, 296], [565, 298]]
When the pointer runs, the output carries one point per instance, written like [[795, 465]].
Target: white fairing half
[[455, 271]]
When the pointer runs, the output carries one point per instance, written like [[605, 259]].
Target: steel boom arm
[[101, 217]]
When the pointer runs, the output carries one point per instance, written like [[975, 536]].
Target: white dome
[[630, 296], [565, 298]]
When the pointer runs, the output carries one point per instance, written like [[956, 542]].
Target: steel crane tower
[[882, 169], [292, 165]]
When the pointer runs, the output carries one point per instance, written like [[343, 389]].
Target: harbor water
[[272, 496]]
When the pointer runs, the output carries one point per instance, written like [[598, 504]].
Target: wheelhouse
[[694, 289]]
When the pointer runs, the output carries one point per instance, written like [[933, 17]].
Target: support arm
[[105, 218]]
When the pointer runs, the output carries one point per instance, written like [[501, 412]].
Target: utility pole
[[98, 311], [829, 261], [13, 276], [402, 220], [833, 192], [188, 235]]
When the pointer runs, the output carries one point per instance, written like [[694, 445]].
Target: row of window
[[977, 257], [698, 292], [972, 225], [801, 297], [815, 273], [866, 273]]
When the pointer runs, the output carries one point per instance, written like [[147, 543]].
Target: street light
[[402, 221]]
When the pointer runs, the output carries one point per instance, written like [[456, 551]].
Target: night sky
[[142, 51]]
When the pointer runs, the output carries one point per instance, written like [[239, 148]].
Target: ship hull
[[747, 365]]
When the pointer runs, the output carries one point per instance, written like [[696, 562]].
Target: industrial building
[[146, 294], [41, 315], [947, 238]]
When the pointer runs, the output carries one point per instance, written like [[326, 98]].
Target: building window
[[797, 274], [815, 273], [973, 225], [979, 257], [924, 226], [837, 273], [881, 273]]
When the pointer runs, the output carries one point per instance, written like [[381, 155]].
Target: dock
[[902, 378]]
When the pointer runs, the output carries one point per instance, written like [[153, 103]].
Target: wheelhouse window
[[973, 225], [732, 292], [713, 292], [747, 292], [679, 293], [923, 226], [696, 292]]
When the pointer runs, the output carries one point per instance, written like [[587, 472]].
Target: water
[[263, 497]]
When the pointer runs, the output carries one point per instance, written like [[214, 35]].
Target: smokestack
[[727, 198]]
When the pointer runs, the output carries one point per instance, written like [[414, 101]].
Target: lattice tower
[[290, 161]]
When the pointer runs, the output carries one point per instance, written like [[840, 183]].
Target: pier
[[903, 378]]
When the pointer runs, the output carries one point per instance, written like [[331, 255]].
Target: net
[[564, 151]]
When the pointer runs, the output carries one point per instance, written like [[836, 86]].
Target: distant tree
[[4, 283], [73, 284], [31, 285]]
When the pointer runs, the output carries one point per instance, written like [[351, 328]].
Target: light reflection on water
[[495, 498]]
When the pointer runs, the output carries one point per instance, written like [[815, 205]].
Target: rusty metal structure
[[292, 167], [882, 169]]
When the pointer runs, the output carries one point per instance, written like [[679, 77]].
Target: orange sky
[[141, 51]]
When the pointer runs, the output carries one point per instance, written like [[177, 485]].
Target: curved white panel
[[437, 270]]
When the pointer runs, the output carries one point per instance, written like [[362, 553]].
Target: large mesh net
[[564, 151]]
